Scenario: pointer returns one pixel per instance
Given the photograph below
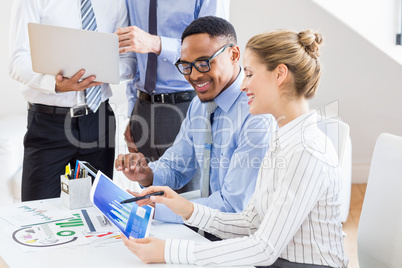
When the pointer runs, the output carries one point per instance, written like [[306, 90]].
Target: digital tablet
[[59, 50], [131, 219]]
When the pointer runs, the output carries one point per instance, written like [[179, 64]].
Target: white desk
[[107, 255]]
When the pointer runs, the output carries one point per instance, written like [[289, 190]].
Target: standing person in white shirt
[[54, 136], [292, 219]]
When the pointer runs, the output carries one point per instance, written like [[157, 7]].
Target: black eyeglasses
[[203, 66]]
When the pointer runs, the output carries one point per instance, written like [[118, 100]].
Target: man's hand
[[148, 250], [136, 40], [64, 84], [132, 148], [135, 167]]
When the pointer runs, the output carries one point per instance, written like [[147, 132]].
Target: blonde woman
[[292, 219]]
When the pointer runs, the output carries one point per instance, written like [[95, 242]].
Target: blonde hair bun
[[311, 42], [299, 51]]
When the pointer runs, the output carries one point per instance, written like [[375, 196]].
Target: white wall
[[378, 21], [362, 80], [11, 101]]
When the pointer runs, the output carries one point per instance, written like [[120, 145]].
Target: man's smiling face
[[210, 84]]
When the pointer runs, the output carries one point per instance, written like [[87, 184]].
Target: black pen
[[134, 199]]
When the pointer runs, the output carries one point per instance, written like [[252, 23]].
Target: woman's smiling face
[[260, 85]]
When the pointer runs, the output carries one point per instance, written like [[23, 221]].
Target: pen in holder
[[75, 193]]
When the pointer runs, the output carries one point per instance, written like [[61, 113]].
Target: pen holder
[[75, 193]]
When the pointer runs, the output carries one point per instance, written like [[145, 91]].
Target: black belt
[[177, 97], [55, 110]]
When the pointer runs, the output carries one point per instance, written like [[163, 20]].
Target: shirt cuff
[[130, 107], [48, 84], [157, 180], [163, 213], [170, 49], [202, 217], [159, 172], [179, 251]]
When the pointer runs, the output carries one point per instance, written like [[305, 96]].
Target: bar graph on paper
[[75, 222], [34, 212], [67, 232]]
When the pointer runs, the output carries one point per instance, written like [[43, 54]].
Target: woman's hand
[[171, 199], [148, 250], [147, 201]]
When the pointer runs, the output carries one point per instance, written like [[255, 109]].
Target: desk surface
[[106, 255]]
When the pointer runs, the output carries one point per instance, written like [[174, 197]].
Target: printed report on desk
[[131, 219]]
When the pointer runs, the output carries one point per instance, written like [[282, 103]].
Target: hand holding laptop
[[59, 50], [64, 84]]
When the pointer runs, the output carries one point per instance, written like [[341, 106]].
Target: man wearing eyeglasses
[[210, 63], [159, 96]]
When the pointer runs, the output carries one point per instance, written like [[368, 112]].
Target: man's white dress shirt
[[40, 88]]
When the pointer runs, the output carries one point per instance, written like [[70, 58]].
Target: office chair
[[338, 132], [379, 235]]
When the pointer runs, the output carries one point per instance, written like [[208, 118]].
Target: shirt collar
[[227, 98], [297, 127]]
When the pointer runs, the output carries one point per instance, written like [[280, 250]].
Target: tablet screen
[[131, 219]]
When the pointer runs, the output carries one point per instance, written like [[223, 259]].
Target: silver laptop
[[63, 50]]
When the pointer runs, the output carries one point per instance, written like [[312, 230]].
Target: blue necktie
[[92, 95], [150, 75], [206, 165]]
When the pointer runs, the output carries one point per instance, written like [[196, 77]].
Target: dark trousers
[[207, 235], [154, 127], [282, 263], [53, 141]]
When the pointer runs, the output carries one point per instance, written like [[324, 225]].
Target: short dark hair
[[213, 26]]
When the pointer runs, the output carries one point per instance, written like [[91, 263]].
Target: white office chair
[[338, 132], [379, 236]]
